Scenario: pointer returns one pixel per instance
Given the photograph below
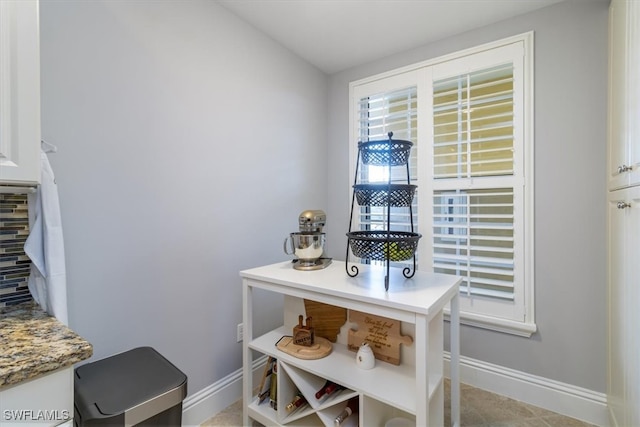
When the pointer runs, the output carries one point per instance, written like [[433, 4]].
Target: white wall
[[188, 143], [570, 137]]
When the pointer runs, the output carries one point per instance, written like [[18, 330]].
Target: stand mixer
[[308, 244]]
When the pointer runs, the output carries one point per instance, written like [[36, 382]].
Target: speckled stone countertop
[[32, 343]]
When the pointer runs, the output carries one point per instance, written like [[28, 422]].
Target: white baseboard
[[209, 401], [565, 399]]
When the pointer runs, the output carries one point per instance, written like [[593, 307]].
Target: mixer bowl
[[306, 245]]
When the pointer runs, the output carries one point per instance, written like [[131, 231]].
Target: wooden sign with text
[[382, 334]]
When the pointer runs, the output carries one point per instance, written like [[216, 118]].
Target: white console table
[[414, 389]]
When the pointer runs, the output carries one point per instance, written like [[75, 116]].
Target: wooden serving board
[[382, 334], [327, 319], [320, 348]]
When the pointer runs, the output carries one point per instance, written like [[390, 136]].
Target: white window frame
[[421, 75]]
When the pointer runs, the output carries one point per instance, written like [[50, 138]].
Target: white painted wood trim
[[209, 401], [448, 57], [565, 399]]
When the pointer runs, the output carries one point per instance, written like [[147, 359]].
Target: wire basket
[[396, 195], [383, 245], [391, 152]]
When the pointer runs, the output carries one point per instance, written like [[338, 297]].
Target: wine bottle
[[297, 402], [322, 391], [332, 387], [328, 388], [352, 408]]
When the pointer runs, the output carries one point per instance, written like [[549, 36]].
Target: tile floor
[[479, 408]]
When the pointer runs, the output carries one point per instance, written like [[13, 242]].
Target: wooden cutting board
[[327, 319], [382, 334], [319, 349]]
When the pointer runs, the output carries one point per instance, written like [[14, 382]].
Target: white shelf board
[[263, 413], [266, 415], [390, 384], [309, 384], [425, 293]]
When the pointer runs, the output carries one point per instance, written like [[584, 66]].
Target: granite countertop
[[32, 343]]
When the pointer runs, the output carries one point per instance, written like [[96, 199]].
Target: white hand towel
[[45, 246]]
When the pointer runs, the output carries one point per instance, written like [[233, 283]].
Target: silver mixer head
[[312, 220]]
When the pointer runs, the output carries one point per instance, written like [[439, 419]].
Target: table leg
[[455, 360]]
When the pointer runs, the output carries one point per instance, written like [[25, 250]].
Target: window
[[469, 117]]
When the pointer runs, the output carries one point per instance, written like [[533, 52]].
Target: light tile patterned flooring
[[479, 408]]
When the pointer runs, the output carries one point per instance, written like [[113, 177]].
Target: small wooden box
[[303, 334]]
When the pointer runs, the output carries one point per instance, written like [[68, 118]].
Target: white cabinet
[[414, 389], [19, 92], [624, 306], [623, 388], [624, 94], [42, 401]]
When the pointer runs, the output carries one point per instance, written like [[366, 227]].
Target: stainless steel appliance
[[308, 243]]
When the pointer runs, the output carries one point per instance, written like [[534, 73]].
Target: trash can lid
[[123, 381]]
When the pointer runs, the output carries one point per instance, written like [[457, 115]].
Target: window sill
[[495, 324]]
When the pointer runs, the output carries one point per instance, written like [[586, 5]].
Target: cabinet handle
[[624, 168], [623, 205]]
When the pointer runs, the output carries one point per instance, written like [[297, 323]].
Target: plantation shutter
[[470, 118], [473, 238], [394, 111], [473, 180], [473, 124]]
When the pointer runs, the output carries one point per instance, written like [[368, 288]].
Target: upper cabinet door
[[19, 92], [624, 94]]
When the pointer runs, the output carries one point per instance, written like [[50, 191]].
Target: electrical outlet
[[239, 332]]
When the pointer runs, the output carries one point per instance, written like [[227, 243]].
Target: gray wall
[[570, 134], [188, 143]]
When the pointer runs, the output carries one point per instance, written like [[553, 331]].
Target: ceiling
[[335, 35]]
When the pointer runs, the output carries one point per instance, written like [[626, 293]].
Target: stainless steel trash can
[[137, 387]]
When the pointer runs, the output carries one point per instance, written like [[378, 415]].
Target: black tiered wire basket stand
[[383, 245]]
